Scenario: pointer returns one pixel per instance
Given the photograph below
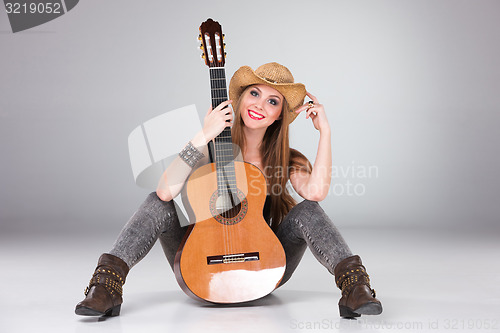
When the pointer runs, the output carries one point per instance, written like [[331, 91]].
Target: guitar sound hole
[[225, 207]]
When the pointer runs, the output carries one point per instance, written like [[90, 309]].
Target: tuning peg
[[223, 36], [203, 56], [199, 37], [201, 46], [225, 54]]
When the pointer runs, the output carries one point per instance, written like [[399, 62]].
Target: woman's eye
[[273, 102], [254, 93]]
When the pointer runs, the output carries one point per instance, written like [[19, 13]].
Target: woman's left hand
[[316, 112]]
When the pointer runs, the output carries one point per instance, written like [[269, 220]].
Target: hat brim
[[294, 93]]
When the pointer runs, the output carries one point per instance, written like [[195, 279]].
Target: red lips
[[253, 117]]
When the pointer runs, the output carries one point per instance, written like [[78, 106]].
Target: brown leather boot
[[357, 296], [104, 293]]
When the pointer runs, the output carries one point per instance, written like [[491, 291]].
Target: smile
[[254, 115]]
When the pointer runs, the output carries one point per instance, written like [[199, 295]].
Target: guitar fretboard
[[224, 158]]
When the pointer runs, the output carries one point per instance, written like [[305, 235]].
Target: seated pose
[[265, 102]]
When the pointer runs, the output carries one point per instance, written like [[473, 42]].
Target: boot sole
[[366, 309], [85, 311], [345, 312], [369, 309]]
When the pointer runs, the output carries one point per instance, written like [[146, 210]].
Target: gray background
[[410, 87]]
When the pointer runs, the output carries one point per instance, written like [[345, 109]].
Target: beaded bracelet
[[191, 155]]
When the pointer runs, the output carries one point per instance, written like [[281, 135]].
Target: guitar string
[[223, 161], [216, 145], [219, 148], [223, 148], [228, 167], [227, 164]]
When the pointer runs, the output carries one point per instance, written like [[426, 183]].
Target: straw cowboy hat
[[274, 75]]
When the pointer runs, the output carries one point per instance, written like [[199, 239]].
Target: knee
[[311, 206], [154, 204], [310, 203], [305, 209], [152, 197]]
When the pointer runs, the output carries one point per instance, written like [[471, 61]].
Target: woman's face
[[260, 106]]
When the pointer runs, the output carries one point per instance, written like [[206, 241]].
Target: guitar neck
[[219, 94], [222, 143], [218, 85]]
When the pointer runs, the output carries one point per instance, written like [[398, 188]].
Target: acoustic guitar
[[229, 253]]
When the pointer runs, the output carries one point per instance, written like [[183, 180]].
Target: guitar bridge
[[231, 258]]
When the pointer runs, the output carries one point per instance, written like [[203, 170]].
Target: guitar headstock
[[212, 43]]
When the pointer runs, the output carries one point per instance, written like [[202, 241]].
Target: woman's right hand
[[217, 119]]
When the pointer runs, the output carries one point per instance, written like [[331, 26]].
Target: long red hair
[[278, 159]]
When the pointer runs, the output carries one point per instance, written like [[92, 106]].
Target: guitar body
[[228, 259]]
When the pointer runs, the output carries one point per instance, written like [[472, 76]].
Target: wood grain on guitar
[[229, 253]]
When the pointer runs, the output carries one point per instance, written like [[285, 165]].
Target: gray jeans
[[306, 225]]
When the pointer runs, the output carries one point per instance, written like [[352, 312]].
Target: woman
[[266, 102]]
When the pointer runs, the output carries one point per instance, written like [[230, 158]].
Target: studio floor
[[427, 280]]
